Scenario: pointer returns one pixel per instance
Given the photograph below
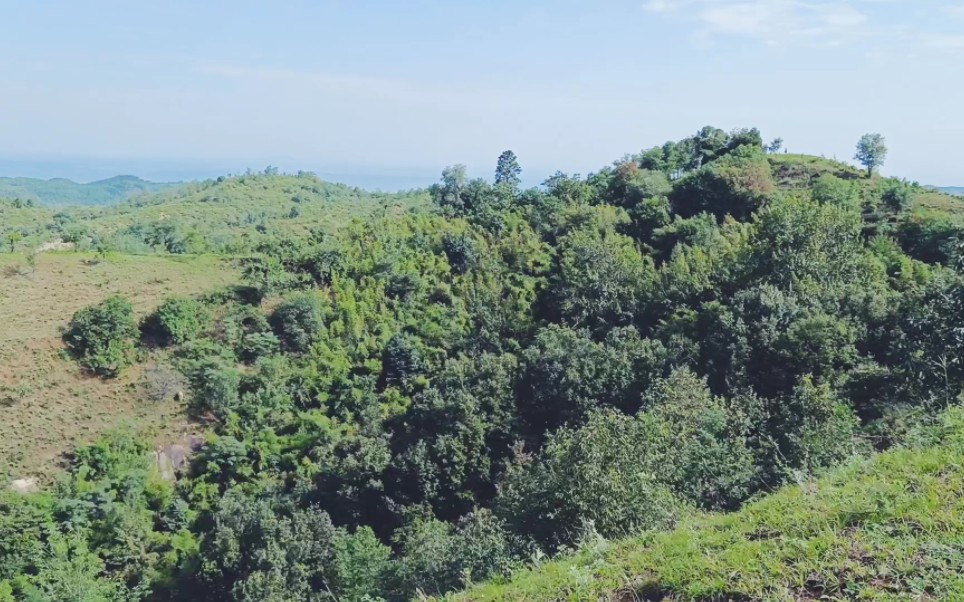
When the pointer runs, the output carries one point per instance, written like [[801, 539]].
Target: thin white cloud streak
[[786, 23]]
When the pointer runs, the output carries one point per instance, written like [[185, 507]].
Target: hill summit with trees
[[707, 371]]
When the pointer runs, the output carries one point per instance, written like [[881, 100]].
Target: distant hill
[[60, 191], [226, 215]]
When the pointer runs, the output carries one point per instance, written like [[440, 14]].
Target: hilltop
[[61, 192], [705, 371], [230, 214]]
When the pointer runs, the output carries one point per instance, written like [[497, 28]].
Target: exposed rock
[[172, 460], [27, 485], [165, 466], [58, 245]]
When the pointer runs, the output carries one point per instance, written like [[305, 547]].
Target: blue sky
[[392, 91]]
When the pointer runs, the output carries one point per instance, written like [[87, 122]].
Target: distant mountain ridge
[[61, 191]]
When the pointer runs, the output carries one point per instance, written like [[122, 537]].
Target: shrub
[[437, 558], [176, 321], [298, 321], [102, 336], [585, 477], [257, 345], [737, 185]]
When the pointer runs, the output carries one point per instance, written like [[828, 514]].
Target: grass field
[[47, 404], [940, 202], [886, 528]]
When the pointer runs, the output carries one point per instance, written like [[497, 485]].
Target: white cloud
[[782, 23], [949, 42], [775, 22], [661, 6], [955, 10]]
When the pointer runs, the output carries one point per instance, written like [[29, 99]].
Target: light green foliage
[[586, 478], [101, 535], [871, 152], [229, 215], [882, 529], [424, 399], [832, 190]]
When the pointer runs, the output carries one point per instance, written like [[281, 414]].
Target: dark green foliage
[[897, 196], [438, 396], [586, 478], [928, 237], [601, 279], [102, 336], [266, 550], [176, 321], [361, 566], [298, 322], [736, 185], [507, 170], [440, 557]]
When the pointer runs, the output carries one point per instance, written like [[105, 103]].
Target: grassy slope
[[886, 528], [239, 203], [232, 209], [60, 191], [47, 405], [796, 172]]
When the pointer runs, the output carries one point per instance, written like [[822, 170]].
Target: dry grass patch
[[47, 403]]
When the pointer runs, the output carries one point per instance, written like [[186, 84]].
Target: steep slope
[[887, 528], [48, 404]]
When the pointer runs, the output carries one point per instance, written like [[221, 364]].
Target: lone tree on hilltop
[[871, 152], [507, 170]]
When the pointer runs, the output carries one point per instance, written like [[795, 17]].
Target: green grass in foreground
[[887, 528]]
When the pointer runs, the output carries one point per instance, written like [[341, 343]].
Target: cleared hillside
[[888, 528], [48, 404]]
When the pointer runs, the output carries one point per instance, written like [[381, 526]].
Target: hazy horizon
[[394, 93]]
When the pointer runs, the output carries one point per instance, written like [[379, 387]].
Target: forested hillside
[[62, 192], [228, 215], [888, 528], [441, 394]]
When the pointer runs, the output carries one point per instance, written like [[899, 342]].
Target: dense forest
[[430, 398]]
